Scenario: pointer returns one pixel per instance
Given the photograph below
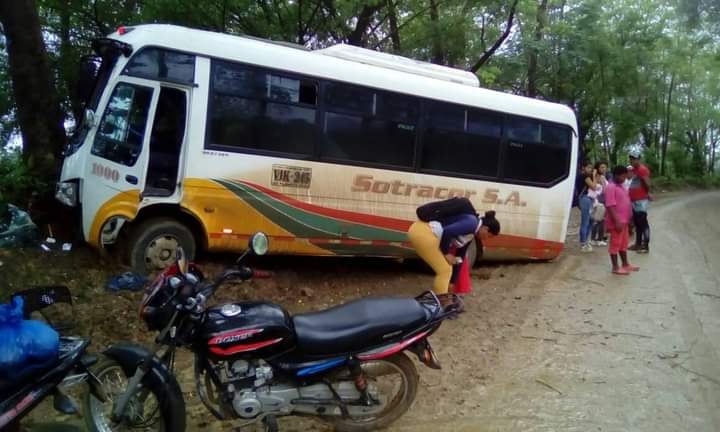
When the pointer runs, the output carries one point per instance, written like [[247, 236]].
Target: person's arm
[[644, 175], [467, 224], [613, 215], [610, 206], [590, 182]]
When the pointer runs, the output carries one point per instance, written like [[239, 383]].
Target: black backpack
[[441, 210]]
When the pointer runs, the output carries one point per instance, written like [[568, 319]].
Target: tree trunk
[[438, 52], [498, 43], [358, 36], [713, 144], [36, 100], [666, 131], [394, 31], [532, 78]]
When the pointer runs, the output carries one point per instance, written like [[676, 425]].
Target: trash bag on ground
[[24, 343], [126, 281], [16, 227]]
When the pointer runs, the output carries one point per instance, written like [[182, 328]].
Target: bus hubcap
[[161, 252]]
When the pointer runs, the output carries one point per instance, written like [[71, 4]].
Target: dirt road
[[593, 351], [543, 347]]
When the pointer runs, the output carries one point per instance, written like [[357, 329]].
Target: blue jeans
[[586, 204]]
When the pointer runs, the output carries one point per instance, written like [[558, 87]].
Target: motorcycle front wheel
[[145, 412], [394, 380]]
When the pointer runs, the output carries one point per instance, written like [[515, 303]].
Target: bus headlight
[[67, 193]]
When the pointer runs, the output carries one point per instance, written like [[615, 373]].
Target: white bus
[[198, 139]]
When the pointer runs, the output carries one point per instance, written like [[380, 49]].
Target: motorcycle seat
[[357, 325]]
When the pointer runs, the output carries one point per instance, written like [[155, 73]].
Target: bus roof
[[341, 65]]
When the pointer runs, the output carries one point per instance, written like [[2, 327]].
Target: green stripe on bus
[[305, 224]]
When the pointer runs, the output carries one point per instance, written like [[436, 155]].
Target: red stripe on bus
[[362, 218]]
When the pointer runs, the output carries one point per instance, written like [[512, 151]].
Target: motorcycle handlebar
[[242, 273]]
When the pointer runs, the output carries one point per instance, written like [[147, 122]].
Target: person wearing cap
[[640, 197]]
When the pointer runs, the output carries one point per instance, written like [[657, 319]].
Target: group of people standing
[[614, 203]]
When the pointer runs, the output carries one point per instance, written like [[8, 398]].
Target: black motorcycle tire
[[407, 367], [173, 417]]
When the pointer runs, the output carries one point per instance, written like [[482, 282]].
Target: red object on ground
[[463, 285]]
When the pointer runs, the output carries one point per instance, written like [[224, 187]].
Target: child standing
[[617, 217]]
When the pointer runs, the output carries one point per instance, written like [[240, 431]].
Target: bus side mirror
[[89, 119]]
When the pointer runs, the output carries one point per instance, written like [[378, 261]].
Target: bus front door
[[166, 143], [116, 164]]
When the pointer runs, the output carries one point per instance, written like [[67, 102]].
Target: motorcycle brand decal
[[284, 175], [230, 310], [233, 336], [368, 183], [17, 409], [243, 348], [389, 350]]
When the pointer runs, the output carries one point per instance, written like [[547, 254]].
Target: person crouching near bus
[[617, 217], [442, 245]]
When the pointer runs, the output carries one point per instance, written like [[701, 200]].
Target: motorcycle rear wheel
[[399, 365], [150, 415]]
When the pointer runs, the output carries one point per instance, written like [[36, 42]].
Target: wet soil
[[563, 345]]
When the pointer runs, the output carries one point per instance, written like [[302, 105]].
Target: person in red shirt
[[640, 197], [617, 217]]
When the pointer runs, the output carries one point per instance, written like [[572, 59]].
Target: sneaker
[[593, 243], [631, 268], [602, 243], [621, 271], [643, 250], [586, 248], [634, 247]]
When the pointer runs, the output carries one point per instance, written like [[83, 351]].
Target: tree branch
[[487, 54], [406, 22]]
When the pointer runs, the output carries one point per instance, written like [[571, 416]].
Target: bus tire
[[153, 244], [471, 254]]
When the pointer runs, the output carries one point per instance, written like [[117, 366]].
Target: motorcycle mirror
[[259, 243], [182, 262]]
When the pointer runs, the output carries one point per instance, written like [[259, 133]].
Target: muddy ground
[[552, 346]]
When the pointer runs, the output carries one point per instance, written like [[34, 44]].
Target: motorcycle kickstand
[[270, 423], [343, 408]]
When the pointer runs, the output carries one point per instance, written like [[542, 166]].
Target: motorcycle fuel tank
[[249, 328]]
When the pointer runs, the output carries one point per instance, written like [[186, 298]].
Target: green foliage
[[639, 73], [17, 185]]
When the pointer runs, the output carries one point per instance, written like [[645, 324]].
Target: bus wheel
[[471, 253], [153, 244]]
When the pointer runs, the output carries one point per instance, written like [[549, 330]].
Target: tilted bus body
[[198, 139]]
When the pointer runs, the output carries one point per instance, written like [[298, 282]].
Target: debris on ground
[[16, 227], [127, 281]]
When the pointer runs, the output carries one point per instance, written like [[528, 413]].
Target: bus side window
[[462, 141], [256, 109], [365, 126], [537, 152], [162, 65]]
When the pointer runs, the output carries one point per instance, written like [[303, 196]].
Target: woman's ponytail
[[491, 223]]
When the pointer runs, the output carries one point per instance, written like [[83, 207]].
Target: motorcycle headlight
[[67, 193]]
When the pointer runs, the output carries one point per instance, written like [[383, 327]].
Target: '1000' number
[[105, 172]]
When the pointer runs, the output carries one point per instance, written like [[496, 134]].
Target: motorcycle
[[21, 392], [253, 361]]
